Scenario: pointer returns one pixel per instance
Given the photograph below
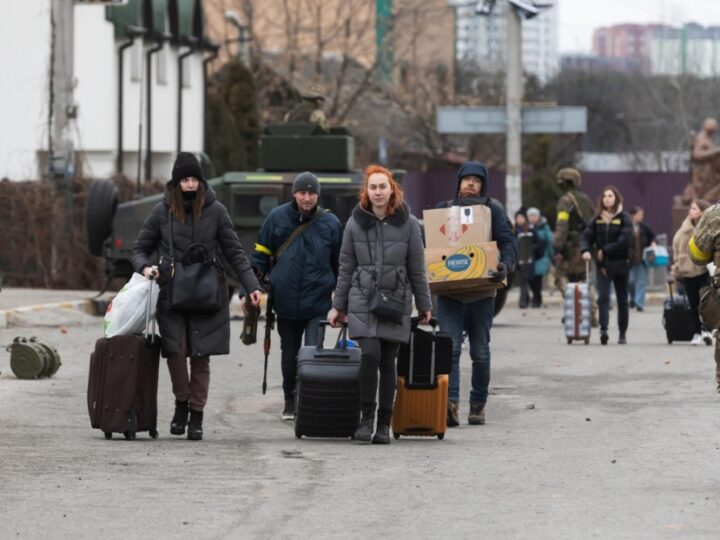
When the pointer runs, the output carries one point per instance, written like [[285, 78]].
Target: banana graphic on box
[[466, 262]]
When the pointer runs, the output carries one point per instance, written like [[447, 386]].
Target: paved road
[[623, 442]]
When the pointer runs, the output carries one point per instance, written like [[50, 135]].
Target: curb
[[9, 316]]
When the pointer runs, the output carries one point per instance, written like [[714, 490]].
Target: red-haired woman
[[611, 232], [382, 250]]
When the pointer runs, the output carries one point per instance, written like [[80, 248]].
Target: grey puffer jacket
[[394, 247], [208, 333]]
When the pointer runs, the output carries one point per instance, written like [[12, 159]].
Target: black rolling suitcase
[[327, 392], [123, 382], [677, 318]]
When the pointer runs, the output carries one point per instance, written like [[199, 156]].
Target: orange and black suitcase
[[422, 389]]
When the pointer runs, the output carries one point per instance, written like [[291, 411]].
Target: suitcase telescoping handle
[[670, 284], [432, 382], [415, 322], [150, 338], [342, 352]]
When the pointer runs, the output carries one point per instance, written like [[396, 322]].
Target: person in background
[[610, 232], [691, 276], [643, 237], [524, 272], [543, 253]]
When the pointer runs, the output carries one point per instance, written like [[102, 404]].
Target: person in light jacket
[[382, 248], [692, 277]]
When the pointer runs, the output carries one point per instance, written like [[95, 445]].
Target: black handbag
[[388, 306], [194, 284], [615, 268]]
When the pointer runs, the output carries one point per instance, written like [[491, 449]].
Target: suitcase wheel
[[440, 436], [569, 341], [669, 341], [108, 435], [129, 435], [396, 435], [587, 341], [153, 433], [298, 434]]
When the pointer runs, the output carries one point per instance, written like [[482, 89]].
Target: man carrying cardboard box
[[473, 311]]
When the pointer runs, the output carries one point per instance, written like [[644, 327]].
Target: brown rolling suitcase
[[422, 395], [122, 384]]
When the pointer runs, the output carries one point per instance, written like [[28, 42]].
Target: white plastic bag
[[126, 313]]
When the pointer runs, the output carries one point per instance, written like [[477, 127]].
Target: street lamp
[[242, 39]]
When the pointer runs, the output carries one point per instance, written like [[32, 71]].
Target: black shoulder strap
[[297, 232]]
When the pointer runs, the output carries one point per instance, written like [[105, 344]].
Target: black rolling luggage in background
[[677, 318], [123, 383], [327, 399]]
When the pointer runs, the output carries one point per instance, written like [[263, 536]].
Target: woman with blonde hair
[[382, 254], [691, 276]]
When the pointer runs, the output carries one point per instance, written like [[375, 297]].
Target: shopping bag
[[127, 312]]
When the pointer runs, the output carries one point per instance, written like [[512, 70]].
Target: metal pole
[[513, 177]]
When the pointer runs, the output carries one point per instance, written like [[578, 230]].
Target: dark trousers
[[378, 355], [536, 285], [692, 290], [193, 386], [621, 294], [291, 338]]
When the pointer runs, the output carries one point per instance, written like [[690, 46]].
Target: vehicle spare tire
[[100, 205]]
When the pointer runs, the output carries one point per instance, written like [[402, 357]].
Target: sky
[[578, 18]]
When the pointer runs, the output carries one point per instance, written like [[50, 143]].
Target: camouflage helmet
[[312, 91], [569, 174]]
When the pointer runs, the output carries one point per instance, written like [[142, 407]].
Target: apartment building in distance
[[483, 39]]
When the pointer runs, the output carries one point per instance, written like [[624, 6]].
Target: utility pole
[[514, 91], [61, 151]]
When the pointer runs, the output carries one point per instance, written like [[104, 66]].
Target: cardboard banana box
[[462, 268]]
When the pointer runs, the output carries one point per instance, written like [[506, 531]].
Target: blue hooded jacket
[[501, 232]]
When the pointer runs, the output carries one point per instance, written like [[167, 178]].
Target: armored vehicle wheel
[[100, 205], [108, 435], [440, 436], [129, 435], [153, 433]]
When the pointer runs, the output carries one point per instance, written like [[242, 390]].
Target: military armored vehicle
[[284, 151]]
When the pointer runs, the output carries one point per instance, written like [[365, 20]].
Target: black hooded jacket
[[501, 231]]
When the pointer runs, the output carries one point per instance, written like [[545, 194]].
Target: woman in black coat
[[610, 232], [191, 211]]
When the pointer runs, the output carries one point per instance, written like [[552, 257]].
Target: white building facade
[[174, 27], [483, 39], [690, 49]]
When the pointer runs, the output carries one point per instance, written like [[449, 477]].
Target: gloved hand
[[500, 274]]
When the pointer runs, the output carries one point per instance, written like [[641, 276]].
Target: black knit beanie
[[186, 164], [306, 181]]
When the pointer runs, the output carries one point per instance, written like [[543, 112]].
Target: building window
[[135, 53], [186, 72], [161, 66]]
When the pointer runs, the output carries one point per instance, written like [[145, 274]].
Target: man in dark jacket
[[643, 237], [302, 272], [473, 313]]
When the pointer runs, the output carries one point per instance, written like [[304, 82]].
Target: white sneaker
[[707, 337], [697, 340]]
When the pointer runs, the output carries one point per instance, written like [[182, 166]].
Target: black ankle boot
[[603, 337], [382, 433], [365, 429], [179, 421], [195, 431]]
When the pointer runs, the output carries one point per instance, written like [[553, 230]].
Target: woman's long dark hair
[[618, 199], [177, 203]]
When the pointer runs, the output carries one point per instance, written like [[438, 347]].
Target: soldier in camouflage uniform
[[574, 209], [703, 248], [309, 110]]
